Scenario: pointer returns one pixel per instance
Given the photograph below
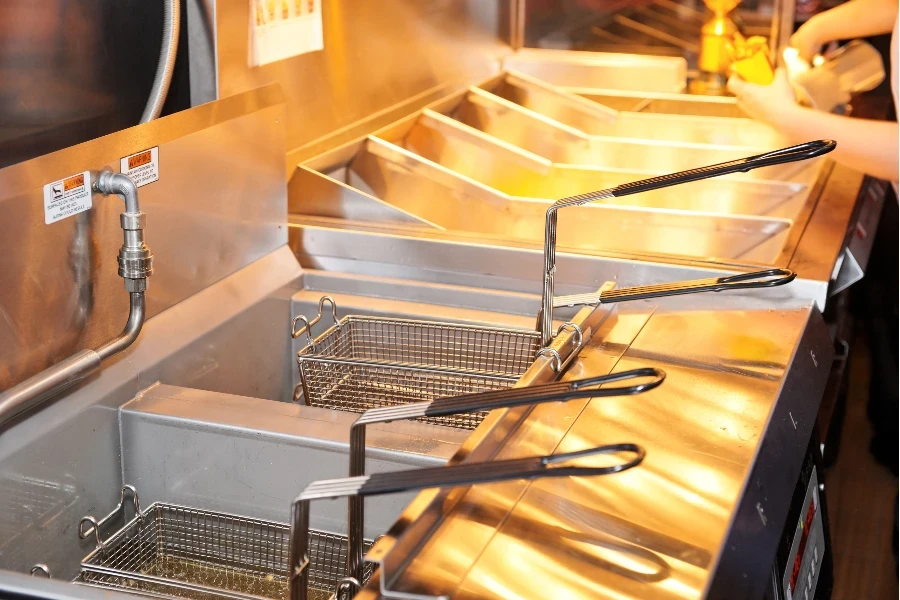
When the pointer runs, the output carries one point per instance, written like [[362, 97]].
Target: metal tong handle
[[803, 151], [549, 392], [785, 155], [436, 477], [742, 281], [96, 525], [469, 403], [467, 474], [308, 325]]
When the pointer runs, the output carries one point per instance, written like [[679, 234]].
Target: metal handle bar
[[785, 155], [758, 279]]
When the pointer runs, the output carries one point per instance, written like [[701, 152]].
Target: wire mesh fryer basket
[[183, 552], [471, 348], [357, 387], [361, 362]]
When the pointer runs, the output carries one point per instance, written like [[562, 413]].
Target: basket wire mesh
[[367, 362], [486, 350], [357, 387], [190, 553]]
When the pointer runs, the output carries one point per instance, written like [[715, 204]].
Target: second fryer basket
[[168, 550], [361, 362]]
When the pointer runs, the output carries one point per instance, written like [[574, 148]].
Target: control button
[[816, 553]]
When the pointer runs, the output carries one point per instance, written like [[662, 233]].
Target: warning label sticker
[[143, 167], [67, 197]]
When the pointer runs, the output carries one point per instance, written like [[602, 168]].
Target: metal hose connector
[[135, 259], [167, 54]]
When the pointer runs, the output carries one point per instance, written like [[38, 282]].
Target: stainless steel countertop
[[683, 523]]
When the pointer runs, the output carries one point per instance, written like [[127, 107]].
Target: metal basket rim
[[165, 581], [124, 589], [436, 369], [115, 539], [349, 319]]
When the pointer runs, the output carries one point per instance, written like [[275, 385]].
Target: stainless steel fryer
[[362, 362], [177, 551], [219, 212]]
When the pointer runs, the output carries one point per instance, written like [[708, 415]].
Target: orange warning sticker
[[139, 160], [73, 182], [142, 167]]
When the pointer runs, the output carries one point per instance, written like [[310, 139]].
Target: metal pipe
[[48, 382], [135, 266], [167, 54], [130, 333], [116, 183]]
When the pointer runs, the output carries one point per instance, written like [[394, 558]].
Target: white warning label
[[67, 197], [143, 167]]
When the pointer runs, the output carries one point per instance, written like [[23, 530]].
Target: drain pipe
[[135, 266]]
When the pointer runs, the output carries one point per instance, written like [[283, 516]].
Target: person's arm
[[862, 144], [851, 20]]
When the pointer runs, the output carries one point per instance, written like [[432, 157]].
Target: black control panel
[[803, 564]]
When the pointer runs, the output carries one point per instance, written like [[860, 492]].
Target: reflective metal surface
[[198, 222], [595, 119], [516, 172], [731, 368], [356, 84], [615, 71], [59, 295], [249, 456], [544, 136], [473, 261], [659, 103], [72, 447], [456, 204], [487, 162]]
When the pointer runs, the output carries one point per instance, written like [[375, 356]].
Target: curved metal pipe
[[122, 185], [47, 383], [167, 54], [132, 329], [135, 265], [68, 372]]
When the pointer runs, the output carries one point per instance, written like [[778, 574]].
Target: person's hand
[[767, 103], [807, 40]]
